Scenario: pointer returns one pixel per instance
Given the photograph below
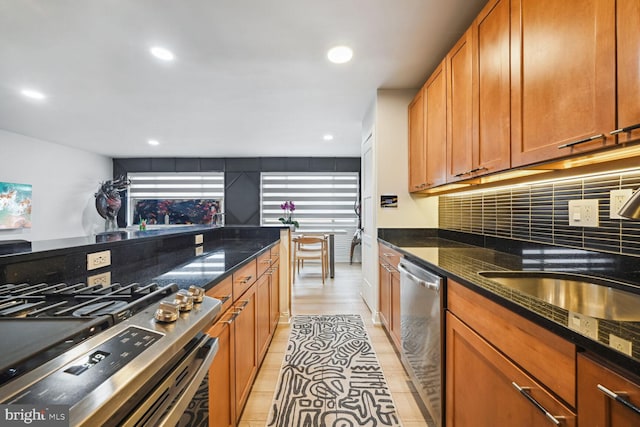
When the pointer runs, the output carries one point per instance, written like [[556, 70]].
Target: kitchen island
[[79, 310]]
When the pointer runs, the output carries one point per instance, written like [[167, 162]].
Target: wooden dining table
[[331, 235]]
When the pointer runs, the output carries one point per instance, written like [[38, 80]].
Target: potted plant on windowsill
[[287, 218]]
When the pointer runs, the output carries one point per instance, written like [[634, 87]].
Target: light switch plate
[[584, 213], [583, 324], [617, 198]]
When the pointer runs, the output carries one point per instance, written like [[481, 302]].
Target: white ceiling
[[250, 77]]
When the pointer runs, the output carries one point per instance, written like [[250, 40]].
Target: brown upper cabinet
[[628, 40], [417, 147], [531, 81], [428, 133], [460, 162], [479, 93], [435, 121], [491, 105], [562, 78]]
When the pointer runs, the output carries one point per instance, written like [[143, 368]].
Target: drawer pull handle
[[525, 392], [246, 280], [618, 398], [625, 129], [224, 298], [582, 141]]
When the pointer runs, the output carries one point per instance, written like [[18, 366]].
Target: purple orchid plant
[[287, 218]]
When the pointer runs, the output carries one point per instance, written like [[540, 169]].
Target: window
[[175, 198], [324, 202]]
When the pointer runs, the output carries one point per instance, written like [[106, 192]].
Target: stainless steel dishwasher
[[421, 334]]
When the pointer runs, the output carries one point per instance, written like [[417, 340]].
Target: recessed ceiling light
[[340, 54], [33, 94], [328, 137], [162, 53], [153, 142]]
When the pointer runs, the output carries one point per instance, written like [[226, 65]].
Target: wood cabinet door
[[395, 307], [435, 113], [480, 390], [562, 77], [385, 294], [628, 40], [274, 298], [221, 374], [246, 354], [597, 409], [417, 155], [460, 109], [492, 89], [263, 309]]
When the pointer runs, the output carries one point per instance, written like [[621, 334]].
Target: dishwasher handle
[[430, 284]]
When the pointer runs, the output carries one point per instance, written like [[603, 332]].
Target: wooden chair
[[307, 248]]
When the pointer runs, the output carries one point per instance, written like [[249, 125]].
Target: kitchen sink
[[587, 295]]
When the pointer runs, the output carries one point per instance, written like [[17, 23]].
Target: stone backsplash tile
[[539, 212]]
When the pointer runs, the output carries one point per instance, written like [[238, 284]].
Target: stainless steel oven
[[421, 335], [132, 364]]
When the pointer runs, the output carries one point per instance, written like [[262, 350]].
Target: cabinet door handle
[[625, 129], [525, 392], [231, 318], [618, 398], [582, 141], [478, 169]]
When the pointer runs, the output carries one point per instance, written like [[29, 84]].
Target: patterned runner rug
[[330, 376]]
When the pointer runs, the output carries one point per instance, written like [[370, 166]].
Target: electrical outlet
[[617, 198], [620, 344], [199, 250], [583, 324], [98, 260], [584, 213], [103, 279], [199, 239]]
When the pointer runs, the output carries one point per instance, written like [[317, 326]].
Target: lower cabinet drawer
[[224, 292], [244, 278]]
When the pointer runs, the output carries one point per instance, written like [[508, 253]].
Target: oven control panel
[[74, 381]]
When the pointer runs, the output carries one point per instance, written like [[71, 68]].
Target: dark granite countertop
[[9, 249], [460, 257]]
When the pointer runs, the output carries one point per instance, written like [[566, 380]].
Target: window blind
[[324, 203]]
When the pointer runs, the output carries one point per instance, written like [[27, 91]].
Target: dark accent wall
[[241, 176]]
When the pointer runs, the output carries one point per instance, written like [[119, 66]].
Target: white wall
[[392, 154], [64, 181]]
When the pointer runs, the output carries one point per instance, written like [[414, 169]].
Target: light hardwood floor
[[337, 296]]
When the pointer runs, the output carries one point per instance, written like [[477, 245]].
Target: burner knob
[[197, 293], [167, 312], [184, 300]]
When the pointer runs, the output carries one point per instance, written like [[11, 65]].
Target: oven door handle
[[207, 350]]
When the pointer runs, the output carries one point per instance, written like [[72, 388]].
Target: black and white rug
[[331, 377]]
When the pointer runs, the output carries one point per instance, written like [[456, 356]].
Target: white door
[[369, 288]]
